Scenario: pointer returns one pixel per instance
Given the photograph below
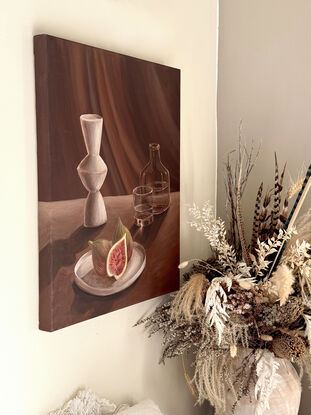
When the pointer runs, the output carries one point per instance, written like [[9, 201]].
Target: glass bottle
[[156, 175]]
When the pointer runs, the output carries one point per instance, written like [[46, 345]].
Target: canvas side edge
[[43, 163]]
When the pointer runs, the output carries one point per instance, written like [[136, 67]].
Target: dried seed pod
[[289, 347]]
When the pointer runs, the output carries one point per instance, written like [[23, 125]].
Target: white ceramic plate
[[92, 283]]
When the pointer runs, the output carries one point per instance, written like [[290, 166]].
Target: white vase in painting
[[92, 171]]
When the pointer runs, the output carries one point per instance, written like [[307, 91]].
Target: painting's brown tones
[[139, 103], [138, 100]]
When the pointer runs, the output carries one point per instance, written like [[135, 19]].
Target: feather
[[256, 222], [264, 216], [277, 200], [278, 187], [284, 213], [282, 175], [291, 220]]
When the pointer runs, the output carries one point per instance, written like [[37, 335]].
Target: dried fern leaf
[[267, 380], [203, 220], [215, 304]]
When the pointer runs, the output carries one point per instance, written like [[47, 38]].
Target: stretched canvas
[[100, 117]]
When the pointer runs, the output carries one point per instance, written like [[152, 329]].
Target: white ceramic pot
[[284, 400]]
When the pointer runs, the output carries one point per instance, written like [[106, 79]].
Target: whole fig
[[100, 249]]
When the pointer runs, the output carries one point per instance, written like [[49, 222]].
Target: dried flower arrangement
[[251, 300]]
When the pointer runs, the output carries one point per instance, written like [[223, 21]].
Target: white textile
[[144, 408], [86, 402]]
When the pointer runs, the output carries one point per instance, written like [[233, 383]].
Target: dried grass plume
[[189, 300]]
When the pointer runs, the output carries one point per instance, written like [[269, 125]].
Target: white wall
[[39, 370], [265, 79]]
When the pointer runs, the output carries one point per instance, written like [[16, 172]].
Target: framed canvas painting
[[108, 139]]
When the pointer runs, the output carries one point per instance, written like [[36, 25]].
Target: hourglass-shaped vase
[[92, 171]]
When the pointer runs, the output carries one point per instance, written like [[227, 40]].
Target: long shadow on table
[[62, 252], [87, 303]]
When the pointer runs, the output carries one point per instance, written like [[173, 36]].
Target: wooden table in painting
[[63, 240]]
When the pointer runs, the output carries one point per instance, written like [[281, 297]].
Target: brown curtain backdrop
[[139, 102]]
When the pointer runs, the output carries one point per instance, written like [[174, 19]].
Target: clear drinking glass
[[143, 200]]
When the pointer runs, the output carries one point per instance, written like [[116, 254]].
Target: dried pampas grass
[[188, 302], [282, 282], [209, 378]]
